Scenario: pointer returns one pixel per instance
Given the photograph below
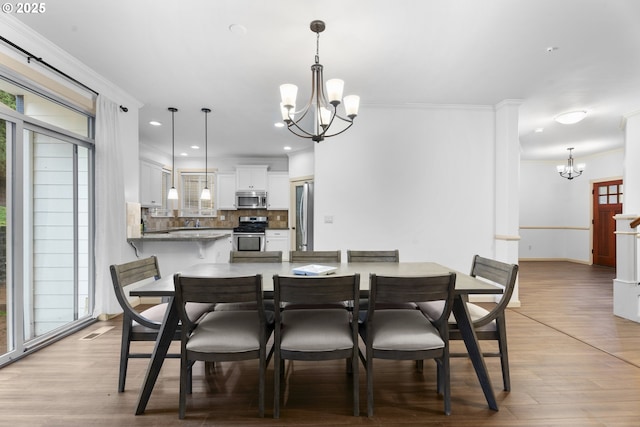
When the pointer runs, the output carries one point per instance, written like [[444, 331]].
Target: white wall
[[420, 180], [555, 213]]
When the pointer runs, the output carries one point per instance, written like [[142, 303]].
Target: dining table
[[465, 286]]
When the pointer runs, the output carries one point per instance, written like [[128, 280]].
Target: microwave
[[251, 200]]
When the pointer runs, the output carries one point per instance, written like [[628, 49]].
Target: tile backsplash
[[277, 219]]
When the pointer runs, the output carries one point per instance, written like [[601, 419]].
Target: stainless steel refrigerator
[[304, 216]]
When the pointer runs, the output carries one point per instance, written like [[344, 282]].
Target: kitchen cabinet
[[150, 184], [278, 191], [251, 178], [278, 240], [226, 191]]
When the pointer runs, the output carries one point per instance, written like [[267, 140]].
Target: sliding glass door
[[46, 233]]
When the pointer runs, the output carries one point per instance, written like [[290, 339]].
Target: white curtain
[[110, 203]]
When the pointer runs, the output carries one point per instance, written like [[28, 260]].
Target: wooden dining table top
[[465, 284]]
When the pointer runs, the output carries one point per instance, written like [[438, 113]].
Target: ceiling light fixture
[[155, 123], [569, 171], [206, 194], [173, 193], [324, 105], [571, 117]]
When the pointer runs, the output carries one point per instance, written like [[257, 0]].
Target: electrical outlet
[[328, 219], [222, 217]]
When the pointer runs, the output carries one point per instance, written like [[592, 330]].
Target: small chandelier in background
[[324, 104], [570, 171], [206, 193], [173, 193]]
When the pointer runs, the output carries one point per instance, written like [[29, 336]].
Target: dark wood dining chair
[[221, 336], [373, 256], [255, 256], [320, 330], [488, 324], [401, 334], [144, 325], [315, 256]]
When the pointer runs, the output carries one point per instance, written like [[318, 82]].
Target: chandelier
[[570, 171], [322, 105]]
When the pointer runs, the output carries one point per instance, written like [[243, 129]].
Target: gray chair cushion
[[316, 330], [226, 332], [433, 310], [404, 330], [195, 310]]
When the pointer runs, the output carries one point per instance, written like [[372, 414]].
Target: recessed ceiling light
[[238, 29], [279, 124], [552, 48], [195, 147], [155, 123], [538, 130], [184, 154], [287, 148], [570, 117]]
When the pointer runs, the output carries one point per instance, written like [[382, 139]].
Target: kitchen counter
[[201, 236], [184, 234]]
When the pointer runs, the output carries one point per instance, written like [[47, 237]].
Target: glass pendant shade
[[351, 105], [206, 194], [173, 194], [288, 93], [334, 90]]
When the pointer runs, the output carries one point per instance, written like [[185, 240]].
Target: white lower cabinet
[[278, 240]]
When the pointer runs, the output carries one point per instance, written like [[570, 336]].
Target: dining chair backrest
[[210, 290], [392, 290], [255, 256], [500, 273], [124, 275], [373, 256], [315, 256]]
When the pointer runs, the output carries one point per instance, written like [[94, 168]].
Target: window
[[192, 185], [610, 194]]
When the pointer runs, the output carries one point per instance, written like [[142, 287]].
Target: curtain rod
[[31, 56]]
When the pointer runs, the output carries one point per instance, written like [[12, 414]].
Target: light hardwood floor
[[572, 364]]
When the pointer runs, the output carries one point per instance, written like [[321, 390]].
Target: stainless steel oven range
[[249, 235]]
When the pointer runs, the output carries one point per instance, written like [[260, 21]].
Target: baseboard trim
[[577, 261]]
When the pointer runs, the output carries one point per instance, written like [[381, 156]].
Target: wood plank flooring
[[572, 364]]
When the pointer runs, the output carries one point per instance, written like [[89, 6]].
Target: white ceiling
[[391, 53]]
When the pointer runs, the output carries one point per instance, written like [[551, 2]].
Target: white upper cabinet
[[150, 184], [226, 191], [278, 191], [251, 178]]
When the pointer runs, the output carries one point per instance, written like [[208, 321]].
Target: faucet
[[198, 223], [186, 222]]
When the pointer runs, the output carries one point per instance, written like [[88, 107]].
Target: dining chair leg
[[277, 375], [419, 366], [356, 385], [369, 385], [184, 366], [261, 383], [446, 383], [124, 354], [504, 354]]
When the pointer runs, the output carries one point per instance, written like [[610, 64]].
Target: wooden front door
[[607, 202]]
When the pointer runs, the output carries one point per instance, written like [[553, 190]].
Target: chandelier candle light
[[206, 194], [173, 193], [570, 171], [324, 104]]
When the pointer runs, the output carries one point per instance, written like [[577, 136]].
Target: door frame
[[592, 191], [293, 183]]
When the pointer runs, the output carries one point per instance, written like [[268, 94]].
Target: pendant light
[[206, 194], [173, 193]]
